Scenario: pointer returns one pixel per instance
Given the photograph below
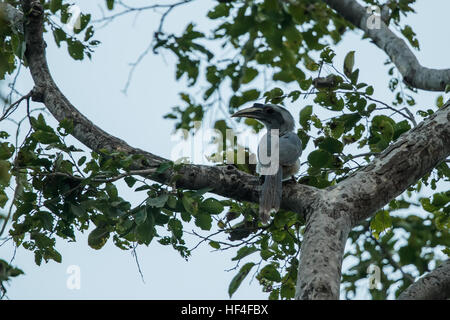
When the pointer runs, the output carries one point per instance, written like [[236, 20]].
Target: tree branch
[[226, 181], [13, 16], [322, 250], [329, 213], [414, 74], [362, 194], [433, 286], [413, 155]]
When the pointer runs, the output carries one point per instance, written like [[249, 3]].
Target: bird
[[280, 135]]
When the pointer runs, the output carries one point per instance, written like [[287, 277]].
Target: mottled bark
[[322, 250], [396, 48], [413, 155], [226, 181], [433, 286], [330, 214], [12, 16], [358, 197]]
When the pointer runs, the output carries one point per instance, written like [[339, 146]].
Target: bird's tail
[[270, 197]]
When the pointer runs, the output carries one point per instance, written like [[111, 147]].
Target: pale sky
[[94, 87]]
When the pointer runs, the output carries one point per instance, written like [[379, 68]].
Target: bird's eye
[[269, 110]]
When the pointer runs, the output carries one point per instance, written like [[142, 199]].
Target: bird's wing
[[290, 148]]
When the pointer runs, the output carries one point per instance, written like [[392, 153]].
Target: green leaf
[[275, 95], [164, 166], [305, 116], [283, 218], [385, 126], [239, 277], [189, 204], [410, 35], [77, 210], [441, 199], [76, 49], [59, 35], [82, 160], [331, 145], [67, 125], [172, 202], [176, 227], [440, 101], [274, 295], [349, 63], [98, 238], [303, 137], [130, 181], [6, 150], [266, 254], [354, 76], [350, 120], [110, 4], [270, 273], [89, 33], [369, 90], [14, 272], [211, 206], [204, 221], [249, 75], [37, 258], [214, 244], [55, 5], [140, 216], [401, 127], [221, 10], [159, 201], [161, 216], [287, 290], [5, 175], [380, 223], [3, 200], [320, 158], [146, 230], [54, 255], [427, 206], [243, 252], [45, 137]]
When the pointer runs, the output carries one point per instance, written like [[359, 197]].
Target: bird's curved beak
[[252, 112]]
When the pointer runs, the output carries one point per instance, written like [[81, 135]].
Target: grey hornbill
[[280, 135]]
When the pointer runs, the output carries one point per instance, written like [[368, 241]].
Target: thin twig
[[129, 9], [17, 190], [14, 106], [98, 179], [134, 253]]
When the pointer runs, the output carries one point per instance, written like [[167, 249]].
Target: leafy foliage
[[6, 273], [61, 189]]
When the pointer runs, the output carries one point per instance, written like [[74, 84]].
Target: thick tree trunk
[[433, 286], [322, 249], [330, 213], [396, 48], [341, 207]]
